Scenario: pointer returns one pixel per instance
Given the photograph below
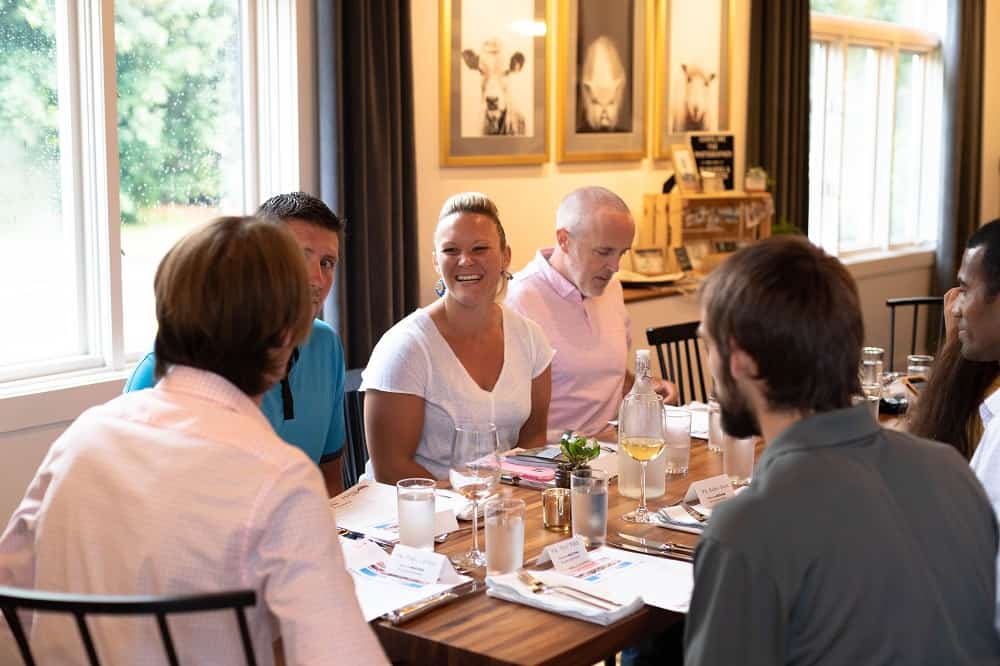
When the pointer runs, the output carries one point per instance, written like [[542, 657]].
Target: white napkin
[[510, 588], [699, 419], [676, 518]]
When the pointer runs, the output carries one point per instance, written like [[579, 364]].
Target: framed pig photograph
[[603, 64], [494, 82], [691, 71]]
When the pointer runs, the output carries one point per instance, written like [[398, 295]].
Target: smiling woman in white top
[[462, 359]]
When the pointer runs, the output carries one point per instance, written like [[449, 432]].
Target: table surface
[[481, 630]]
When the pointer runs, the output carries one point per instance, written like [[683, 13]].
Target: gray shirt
[[853, 545]]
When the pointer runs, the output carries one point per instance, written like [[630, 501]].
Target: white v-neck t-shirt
[[413, 357]]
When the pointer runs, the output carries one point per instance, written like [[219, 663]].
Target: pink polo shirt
[[591, 337]]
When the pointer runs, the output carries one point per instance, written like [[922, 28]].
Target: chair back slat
[[670, 341], [168, 642], [916, 302], [356, 446], [16, 628], [80, 606]]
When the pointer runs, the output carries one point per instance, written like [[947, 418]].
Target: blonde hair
[[474, 202], [227, 295]]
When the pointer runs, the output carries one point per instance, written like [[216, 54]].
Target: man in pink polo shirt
[[571, 292]]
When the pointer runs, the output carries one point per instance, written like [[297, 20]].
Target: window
[[106, 164], [875, 124]]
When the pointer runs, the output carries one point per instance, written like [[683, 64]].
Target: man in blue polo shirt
[[306, 408]]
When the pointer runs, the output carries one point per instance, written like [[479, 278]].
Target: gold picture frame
[[685, 168], [486, 46], [673, 117], [590, 124]]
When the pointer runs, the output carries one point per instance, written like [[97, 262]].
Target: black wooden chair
[[80, 606], [932, 304], [356, 446], [669, 342]]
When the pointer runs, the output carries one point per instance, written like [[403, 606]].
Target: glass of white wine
[[475, 473], [640, 435]]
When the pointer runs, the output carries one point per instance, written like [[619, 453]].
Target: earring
[[507, 274], [439, 287]]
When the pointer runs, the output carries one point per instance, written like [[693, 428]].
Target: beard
[[738, 419]]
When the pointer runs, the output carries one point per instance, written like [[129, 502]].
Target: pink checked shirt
[[591, 337], [183, 489]]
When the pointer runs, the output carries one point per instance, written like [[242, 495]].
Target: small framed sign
[[685, 169], [683, 260]]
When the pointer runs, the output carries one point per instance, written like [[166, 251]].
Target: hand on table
[[665, 390]]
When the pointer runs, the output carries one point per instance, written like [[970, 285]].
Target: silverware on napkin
[[410, 611], [538, 587], [694, 513], [649, 550], [667, 546]]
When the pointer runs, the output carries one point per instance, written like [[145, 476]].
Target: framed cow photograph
[[603, 53], [692, 70], [494, 82]]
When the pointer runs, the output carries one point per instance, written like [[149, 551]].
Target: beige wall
[[991, 114], [528, 195]]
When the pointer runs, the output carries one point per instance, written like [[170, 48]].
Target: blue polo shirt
[[316, 381]]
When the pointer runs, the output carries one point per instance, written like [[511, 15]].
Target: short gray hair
[[474, 202], [578, 205]]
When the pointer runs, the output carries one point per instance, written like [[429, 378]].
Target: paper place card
[[445, 522], [711, 491], [565, 555], [423, 566]]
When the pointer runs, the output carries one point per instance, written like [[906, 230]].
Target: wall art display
[[494, 83], [603, 51], [692, 70]]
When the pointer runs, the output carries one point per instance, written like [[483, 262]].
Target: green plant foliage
[[579, 450], [171, 60]]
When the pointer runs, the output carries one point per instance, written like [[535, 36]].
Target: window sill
[[871, 264], [43, 401]]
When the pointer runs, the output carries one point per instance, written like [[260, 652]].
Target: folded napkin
[[699, 419], [676, 518], [509, 588]]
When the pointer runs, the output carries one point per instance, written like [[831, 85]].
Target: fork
[[538, 587]]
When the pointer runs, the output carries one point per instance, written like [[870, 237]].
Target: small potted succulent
[[578, 451]]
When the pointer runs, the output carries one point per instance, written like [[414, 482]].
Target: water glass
[[589, 488], [871, 364], [873, 396], [415, 510], [555, 509], [677, 439], [504, 535], [737, 459], [715, 433], [919, 364]]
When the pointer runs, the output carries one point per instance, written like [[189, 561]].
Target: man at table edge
[[844, 547], [571, 291], [306, 408]]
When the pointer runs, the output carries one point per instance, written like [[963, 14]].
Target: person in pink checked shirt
[[571, 292], [186, 489]]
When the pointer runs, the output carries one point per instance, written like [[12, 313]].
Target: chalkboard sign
[[714, 152]]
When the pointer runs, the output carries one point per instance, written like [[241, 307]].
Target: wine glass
[[475, 473], [640, 435]]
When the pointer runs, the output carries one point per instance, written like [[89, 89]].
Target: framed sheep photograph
[[604, 50], [692, 70], [494, 82]]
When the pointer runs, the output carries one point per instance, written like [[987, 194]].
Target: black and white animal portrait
[[602, 87], [501, 113], [692, 115]]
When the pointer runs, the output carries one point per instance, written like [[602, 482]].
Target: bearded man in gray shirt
[[853, 544]]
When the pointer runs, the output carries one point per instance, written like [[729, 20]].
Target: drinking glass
[[919, 364], [677, 439], [737, 459], [589, 501], [415, 510], [640, 435], [873, 396], [474, 472], [715, 433], [871, 364], [504, 535]]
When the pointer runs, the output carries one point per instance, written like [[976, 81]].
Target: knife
[[673, 555], [658, 545], [410, 611], [694, 513]]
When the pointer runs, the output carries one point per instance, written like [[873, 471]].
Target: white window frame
[[890, 39], [276, 81]]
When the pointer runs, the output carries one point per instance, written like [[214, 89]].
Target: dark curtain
[[961, 155], [778, 104], [367, 164]]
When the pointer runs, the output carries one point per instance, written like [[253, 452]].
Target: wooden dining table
[[477, 629]]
